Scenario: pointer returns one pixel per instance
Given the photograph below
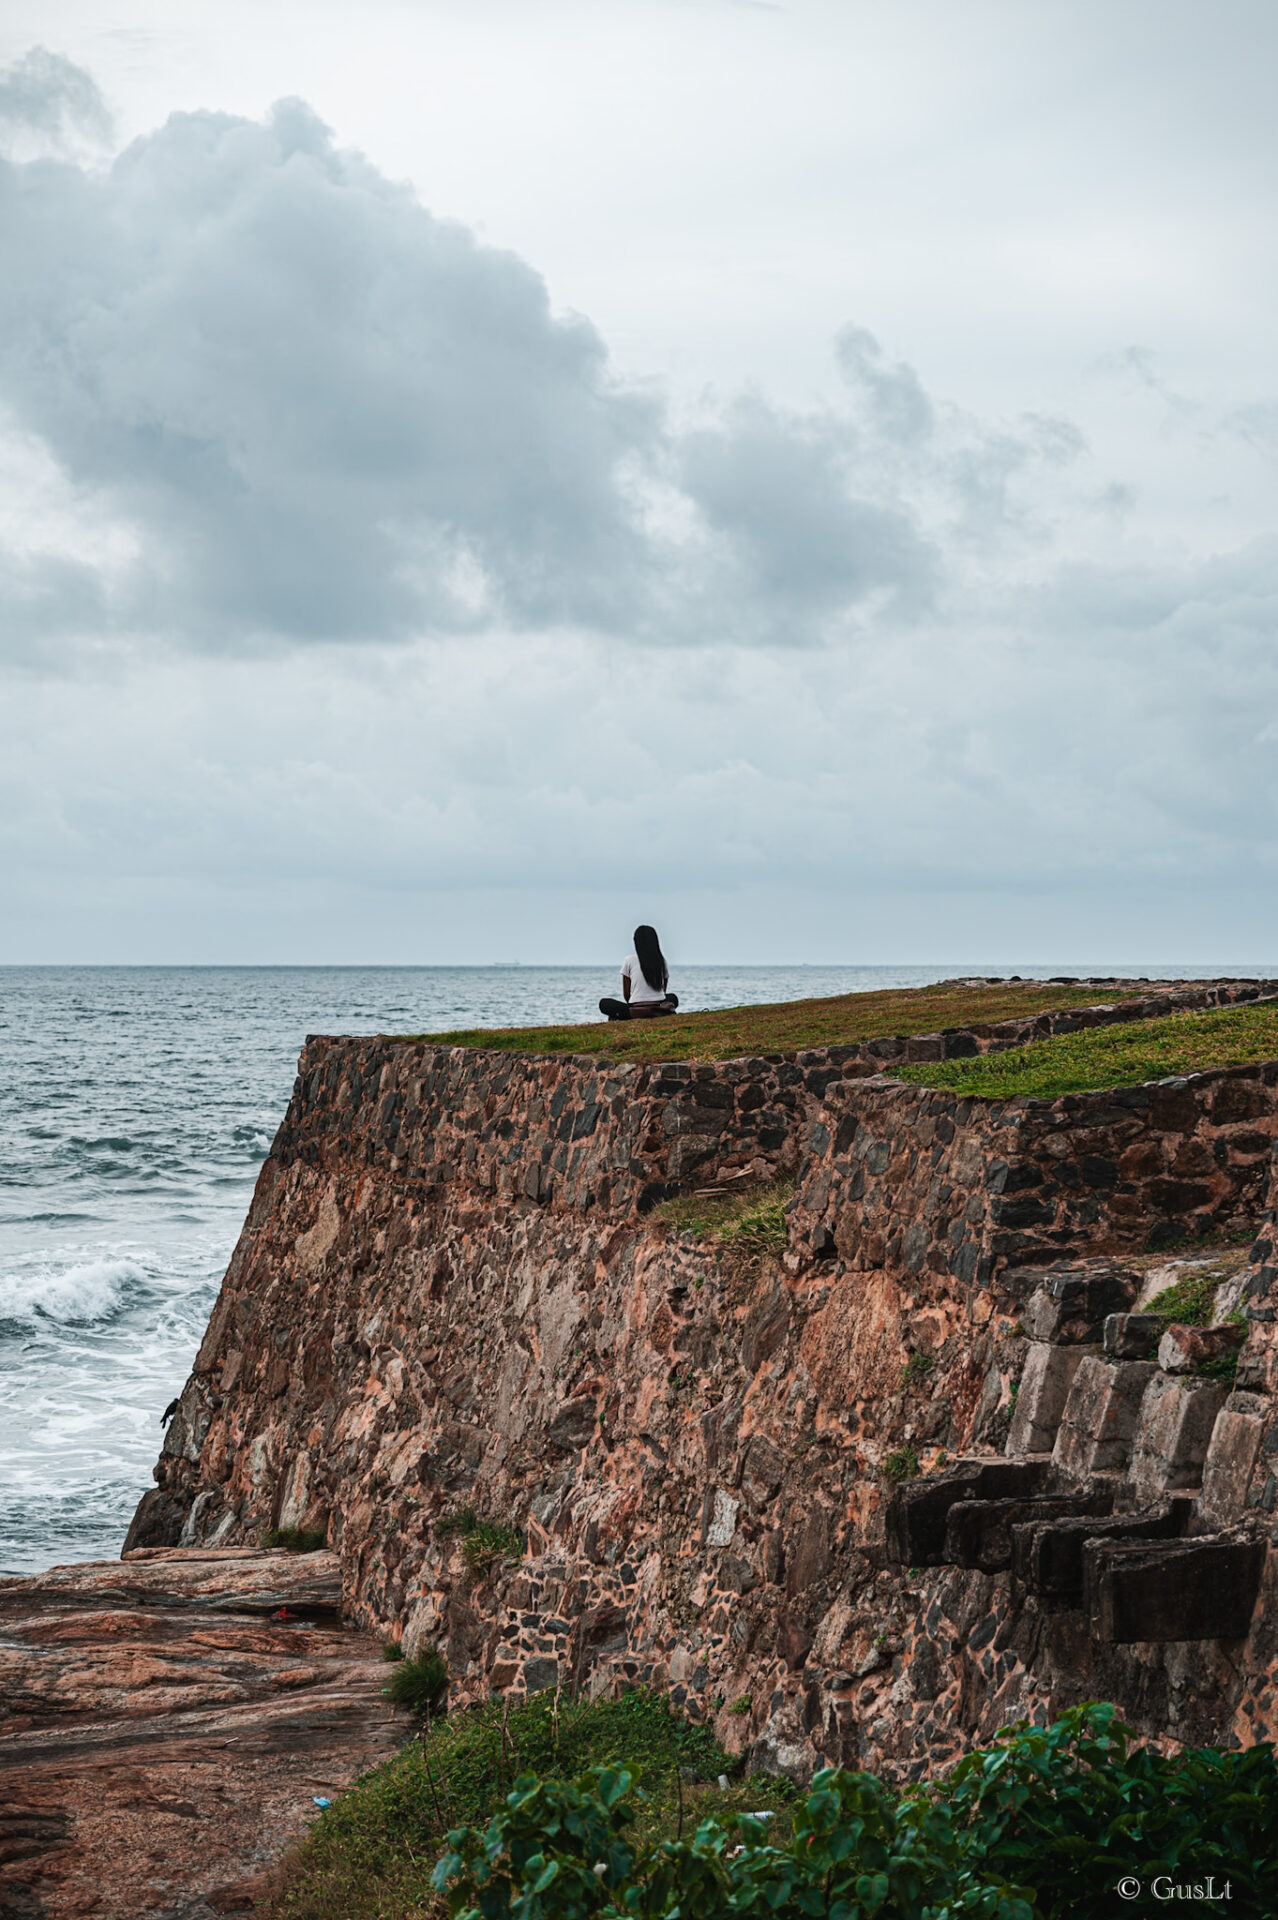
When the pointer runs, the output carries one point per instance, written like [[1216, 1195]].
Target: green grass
[[370, 1857], [420, 1684], [1112, 1056], [785, 1026], [750, 1222]]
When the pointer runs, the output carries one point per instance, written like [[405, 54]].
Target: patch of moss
[[1190, 1300], [752, 1220], [293, 1539], [916, 1370], [1122, 1056]]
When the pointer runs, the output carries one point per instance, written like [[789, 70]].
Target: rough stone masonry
[[922, 1473]]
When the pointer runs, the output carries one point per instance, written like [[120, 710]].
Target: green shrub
[[483, 1543], [563, 1852], [916, 1370], [371, 1854], [741, 1705], [1041, 1825], [392, 1650], [1046, 1824], [1073, 1809], [421, 1683], [293, 1539], [901, 1465]]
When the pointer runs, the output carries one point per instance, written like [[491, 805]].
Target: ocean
[[136, 1106]]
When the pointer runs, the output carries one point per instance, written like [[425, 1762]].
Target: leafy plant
[[1041, 1825], [370, 1856], [421, 1683], [392, 1650], [293, 1539], [1073, 1808], [741, 1705], [901, 1465], [857, 1850]]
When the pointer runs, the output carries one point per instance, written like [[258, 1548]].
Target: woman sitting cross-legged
[[645, 983]]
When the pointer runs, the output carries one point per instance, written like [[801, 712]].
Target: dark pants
[[649, 1010]]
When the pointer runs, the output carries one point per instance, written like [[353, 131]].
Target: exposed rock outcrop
[[164, 1731]]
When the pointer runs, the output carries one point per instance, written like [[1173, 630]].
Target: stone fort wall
[[799, 1491]]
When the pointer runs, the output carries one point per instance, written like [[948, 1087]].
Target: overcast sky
[[478, 473]]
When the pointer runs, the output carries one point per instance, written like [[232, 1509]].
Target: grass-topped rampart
[[1121, 1056], [788, 1026]]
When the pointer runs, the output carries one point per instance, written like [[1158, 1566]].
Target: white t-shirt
[[640, 992]]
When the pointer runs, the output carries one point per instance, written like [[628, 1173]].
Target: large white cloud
[[336, 565], [314, 411]]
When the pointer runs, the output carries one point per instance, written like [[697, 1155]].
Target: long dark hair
[[651, 960]]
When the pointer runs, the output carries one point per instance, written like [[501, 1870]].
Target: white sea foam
[[77, 1296]]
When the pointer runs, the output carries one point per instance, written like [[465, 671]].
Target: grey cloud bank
[[338, 567], [313, 411]]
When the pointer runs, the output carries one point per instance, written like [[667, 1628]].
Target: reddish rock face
[[163, 1735], [450, 1294]]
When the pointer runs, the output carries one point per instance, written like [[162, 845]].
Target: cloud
[[333, 557], [326, 413], [313, 411], [792, 536], [47, 102]]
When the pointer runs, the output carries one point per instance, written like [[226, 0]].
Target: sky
[[476, 474]]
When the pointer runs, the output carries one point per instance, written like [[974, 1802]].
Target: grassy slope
[[1112, 1056], [371, 1856], [785, 1026]]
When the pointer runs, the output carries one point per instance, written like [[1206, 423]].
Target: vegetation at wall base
[[371, 1856], [421, 1683], [1120, 1056], [786, 1026], [519, 1816]]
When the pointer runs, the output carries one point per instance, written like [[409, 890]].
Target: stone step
[[917, 1512], [1047, 1555], [1202, 1588], [978, 1533]]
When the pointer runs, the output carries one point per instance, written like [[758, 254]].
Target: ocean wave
[[80, 1295]]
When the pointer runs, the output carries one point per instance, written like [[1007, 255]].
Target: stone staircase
[[1128, 1485]]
